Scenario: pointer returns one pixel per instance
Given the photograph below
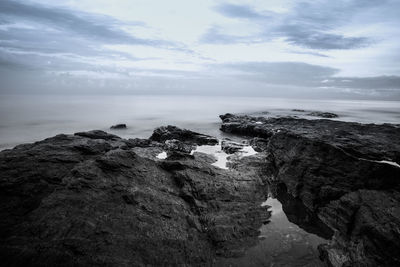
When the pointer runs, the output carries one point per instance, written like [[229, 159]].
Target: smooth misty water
[[31, 118]]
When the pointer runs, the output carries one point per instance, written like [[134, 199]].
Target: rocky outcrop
[[345, 174], [94, 199], [169, 132], [368, 141], [328, 115], [118, 126]]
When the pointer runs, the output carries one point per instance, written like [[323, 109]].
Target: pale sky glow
[[77, 46]]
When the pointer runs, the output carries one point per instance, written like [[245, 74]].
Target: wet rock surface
[[231, 147], [169, 132], [94, 199], [345, 174], [323, 114], [328, 115]]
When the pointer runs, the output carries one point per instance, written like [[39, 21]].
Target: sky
[[284, 48]]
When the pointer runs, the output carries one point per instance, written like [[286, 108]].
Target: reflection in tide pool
[[281, 243]]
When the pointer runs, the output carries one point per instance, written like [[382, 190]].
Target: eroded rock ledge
[[346, 174]]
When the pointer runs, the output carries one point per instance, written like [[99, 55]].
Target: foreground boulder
[[345, 174], [94, 199]]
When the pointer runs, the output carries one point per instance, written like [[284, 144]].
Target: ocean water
[[27, 118]]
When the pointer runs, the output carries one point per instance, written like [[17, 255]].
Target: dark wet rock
[[333, 169], [94, 199], [222, 202], [368, 141], [231, 147], [321, 114], [169, 132], [371, 220], [118, 126], [328, 115], [204, 157], [139, 142], [97, 134], [177, 145], [259, 144]]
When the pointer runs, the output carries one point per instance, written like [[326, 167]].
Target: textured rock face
[[231, 147], [368, 141], [334, 169], [169, 132], [371, 219], [95, 199]]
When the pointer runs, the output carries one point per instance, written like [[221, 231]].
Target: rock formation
[[345, 174], [118, 126]]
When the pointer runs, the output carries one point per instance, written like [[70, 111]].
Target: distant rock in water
[[118, 126], [323, 114], [328, 115]]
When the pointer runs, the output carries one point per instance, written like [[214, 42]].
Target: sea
[[30, 118]]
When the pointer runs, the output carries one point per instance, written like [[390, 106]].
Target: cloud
[[214, 35], [238, 11], [40, 37], [95, 27], [309, 38], [308, 53], [12, 65], [289, 73], [365, 83], [310, 29], [306, 75]]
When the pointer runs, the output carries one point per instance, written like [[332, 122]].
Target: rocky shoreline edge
[[93, 198]]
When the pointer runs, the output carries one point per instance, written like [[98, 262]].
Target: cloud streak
[[239, 11], [308, 29], [95, 27]]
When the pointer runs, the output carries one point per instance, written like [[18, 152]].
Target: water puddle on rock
[[217, 152], [162, 155], [281, 243], [222, 158]]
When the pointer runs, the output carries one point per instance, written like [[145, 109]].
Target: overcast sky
[[338, 48]]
